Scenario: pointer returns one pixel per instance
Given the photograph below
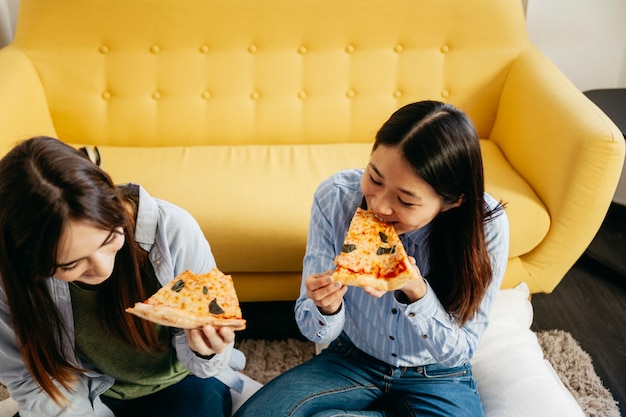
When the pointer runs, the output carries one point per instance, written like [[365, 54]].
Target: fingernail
[[337, 284]]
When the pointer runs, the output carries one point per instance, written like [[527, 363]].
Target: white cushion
[[514, 379], [8, 407], [250, 386]]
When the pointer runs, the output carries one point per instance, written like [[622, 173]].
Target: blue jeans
[[343, 381], [191, 397]]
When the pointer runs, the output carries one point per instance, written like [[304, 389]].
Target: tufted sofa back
[[197, 72]]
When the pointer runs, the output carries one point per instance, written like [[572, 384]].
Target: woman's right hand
[[326, 293]]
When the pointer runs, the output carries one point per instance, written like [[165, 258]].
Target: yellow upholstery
[[236, 110]]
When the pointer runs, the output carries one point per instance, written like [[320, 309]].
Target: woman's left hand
[[414, 289], [208, 340]]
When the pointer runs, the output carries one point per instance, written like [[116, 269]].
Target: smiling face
[[396, 194], [86, 253]]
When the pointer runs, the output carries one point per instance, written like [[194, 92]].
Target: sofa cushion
[[253, 195], [513, 377], [257, 194], [522, 204]]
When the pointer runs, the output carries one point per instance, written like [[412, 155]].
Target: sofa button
[[301, 94], [445, 49], [398, 48], [155, 49], [445, 93], [350, 93], [106, 95], [397, 93], [156, 95], [103, 49], [206, 94], [303, 50], [254, 95], [350, 49], [252, 49], [204, 49]]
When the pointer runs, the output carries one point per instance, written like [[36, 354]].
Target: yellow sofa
[[236, 110]]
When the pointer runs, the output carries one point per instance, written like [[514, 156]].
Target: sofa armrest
[[24, 110], [569, 152]]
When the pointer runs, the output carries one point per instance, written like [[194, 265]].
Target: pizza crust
[[173, 317]]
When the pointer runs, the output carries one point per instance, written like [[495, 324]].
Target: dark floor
[[590, 303]]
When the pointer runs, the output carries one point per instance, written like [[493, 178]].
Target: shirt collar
[[147, 215]]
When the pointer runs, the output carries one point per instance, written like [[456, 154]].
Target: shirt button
[[411, 314], [394, 355], [321, 323], [394, 311], [424, 336], [392, 338]]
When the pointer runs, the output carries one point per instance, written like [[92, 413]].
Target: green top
[[136, 373]]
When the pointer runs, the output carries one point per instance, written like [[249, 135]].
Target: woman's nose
[[100, 266], [381, 204]]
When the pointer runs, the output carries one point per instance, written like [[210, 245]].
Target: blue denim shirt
[[419, 333], [175, 243]]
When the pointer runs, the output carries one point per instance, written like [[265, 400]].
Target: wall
[[8, 16], [585, 38]]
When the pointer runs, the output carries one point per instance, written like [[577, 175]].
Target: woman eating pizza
[[405, 349], [75, 252]]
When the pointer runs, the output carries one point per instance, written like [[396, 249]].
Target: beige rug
[[575, 369], [267, 359]]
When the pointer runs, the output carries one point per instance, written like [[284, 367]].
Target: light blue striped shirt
[[399, 334]]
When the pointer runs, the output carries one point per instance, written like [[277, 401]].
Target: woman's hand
[[325, 293], [415, 288], [208, 340]]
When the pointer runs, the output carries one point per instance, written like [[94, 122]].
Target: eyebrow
[[402, 190], [84, 257]]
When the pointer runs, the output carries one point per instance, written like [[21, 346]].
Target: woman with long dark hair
[[75, 252], [405, 352]]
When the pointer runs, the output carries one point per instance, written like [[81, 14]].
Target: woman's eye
[[113, 237], [68, 268], [374, 181], [404, 203]]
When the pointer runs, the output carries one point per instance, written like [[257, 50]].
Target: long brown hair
[[44, 183], [441, 145]]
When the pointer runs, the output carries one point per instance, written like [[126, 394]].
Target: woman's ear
[[448, 206]]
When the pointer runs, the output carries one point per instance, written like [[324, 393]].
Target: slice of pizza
[[373, 255], [193, 300]]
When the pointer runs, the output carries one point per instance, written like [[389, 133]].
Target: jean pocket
[[441, 372]]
